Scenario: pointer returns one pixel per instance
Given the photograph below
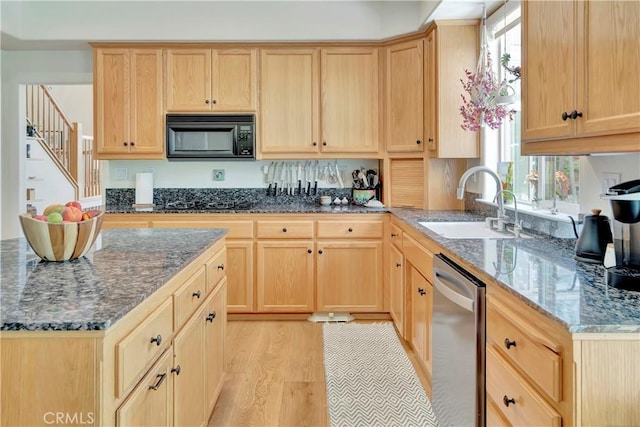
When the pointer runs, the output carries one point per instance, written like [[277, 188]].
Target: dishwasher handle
[[447, 288]]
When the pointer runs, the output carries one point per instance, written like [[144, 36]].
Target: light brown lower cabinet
[[421, 314], [349, 276], [151, 403], [285, 276], [396, 288]]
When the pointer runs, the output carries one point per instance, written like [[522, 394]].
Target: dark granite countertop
[[543, 273], [93, 292]]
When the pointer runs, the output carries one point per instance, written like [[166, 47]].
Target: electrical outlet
[[218, 174], [609, 179], [121, 174]]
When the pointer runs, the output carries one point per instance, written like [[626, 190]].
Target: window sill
[[544, 213]]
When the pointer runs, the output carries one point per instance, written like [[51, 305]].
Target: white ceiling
[[70, 25]]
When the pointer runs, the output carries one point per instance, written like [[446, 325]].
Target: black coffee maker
[[625, 204]]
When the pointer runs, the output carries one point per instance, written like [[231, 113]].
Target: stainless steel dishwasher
[[457, 345]]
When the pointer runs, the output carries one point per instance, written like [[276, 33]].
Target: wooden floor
[[275, 375]]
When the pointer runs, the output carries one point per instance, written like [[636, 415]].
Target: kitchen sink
[[467, 230]]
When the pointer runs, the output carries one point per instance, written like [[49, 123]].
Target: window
[[542, 182]]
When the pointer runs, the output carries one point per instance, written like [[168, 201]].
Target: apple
[[55, 218], [53, 208], [72, 214], [40, 217], [74, 203], [86, 215]]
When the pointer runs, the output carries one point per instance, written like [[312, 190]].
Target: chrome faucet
[[463, 181], [517, 225]]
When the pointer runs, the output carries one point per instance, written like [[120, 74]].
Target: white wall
[[188, 174], [19, 67], [209, 20], [77, 103], [592, 169]]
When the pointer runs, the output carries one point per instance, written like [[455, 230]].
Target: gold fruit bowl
[[63, 241]]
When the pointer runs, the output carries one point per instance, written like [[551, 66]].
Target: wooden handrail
[[63, 141]]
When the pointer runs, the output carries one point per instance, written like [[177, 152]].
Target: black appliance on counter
[[594, 237], [625, 204], [211, 136]]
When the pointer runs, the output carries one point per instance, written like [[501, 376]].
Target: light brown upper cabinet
[[211, 80], [451, 47], [128, 109], [404, 112], [299, 86], [349, 99], [289, 101], [579, 77]]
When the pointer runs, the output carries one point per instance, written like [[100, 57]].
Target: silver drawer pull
[[161, 378]]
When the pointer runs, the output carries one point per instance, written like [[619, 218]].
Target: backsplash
[[554, 228], [162, 196]]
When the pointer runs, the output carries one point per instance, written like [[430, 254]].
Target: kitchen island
[[85, 339]]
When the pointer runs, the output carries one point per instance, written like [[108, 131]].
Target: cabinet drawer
[[350, 229], [151, 402], [537, 360], [236, 229], [137, 350], [396, 236], [216, 269], [527, 408], [418, 256], [187, 299], [285, 229]]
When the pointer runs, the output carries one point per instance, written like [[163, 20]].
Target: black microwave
[[211, 136]]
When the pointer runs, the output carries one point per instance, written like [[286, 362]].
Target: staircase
[[63, 142]]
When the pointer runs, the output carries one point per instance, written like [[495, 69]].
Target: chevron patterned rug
[[370, 379]]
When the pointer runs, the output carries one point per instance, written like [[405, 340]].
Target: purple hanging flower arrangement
[[488, 98], [482, 106]]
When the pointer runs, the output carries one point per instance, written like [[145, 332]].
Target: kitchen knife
[[315, 185], [339, 176], [283, 176], [307, 177], [299, 177], [270, 172], [275, 183]]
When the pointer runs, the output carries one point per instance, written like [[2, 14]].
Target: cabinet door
[[549, 68], [349, 276], [234, 80], [146, 119], [285, 276], [404, 100], [239, 270], [430, 92], [456, 49], [289, 99], [609, 55], [188, 383], [188, 80], [349, 100], [215, 318], [421, 308], [396, 288], [151, 402], [112, 103]]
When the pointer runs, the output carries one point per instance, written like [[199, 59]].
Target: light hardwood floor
[[275, 375]]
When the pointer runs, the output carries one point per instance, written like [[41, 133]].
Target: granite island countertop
[[94, 291]]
